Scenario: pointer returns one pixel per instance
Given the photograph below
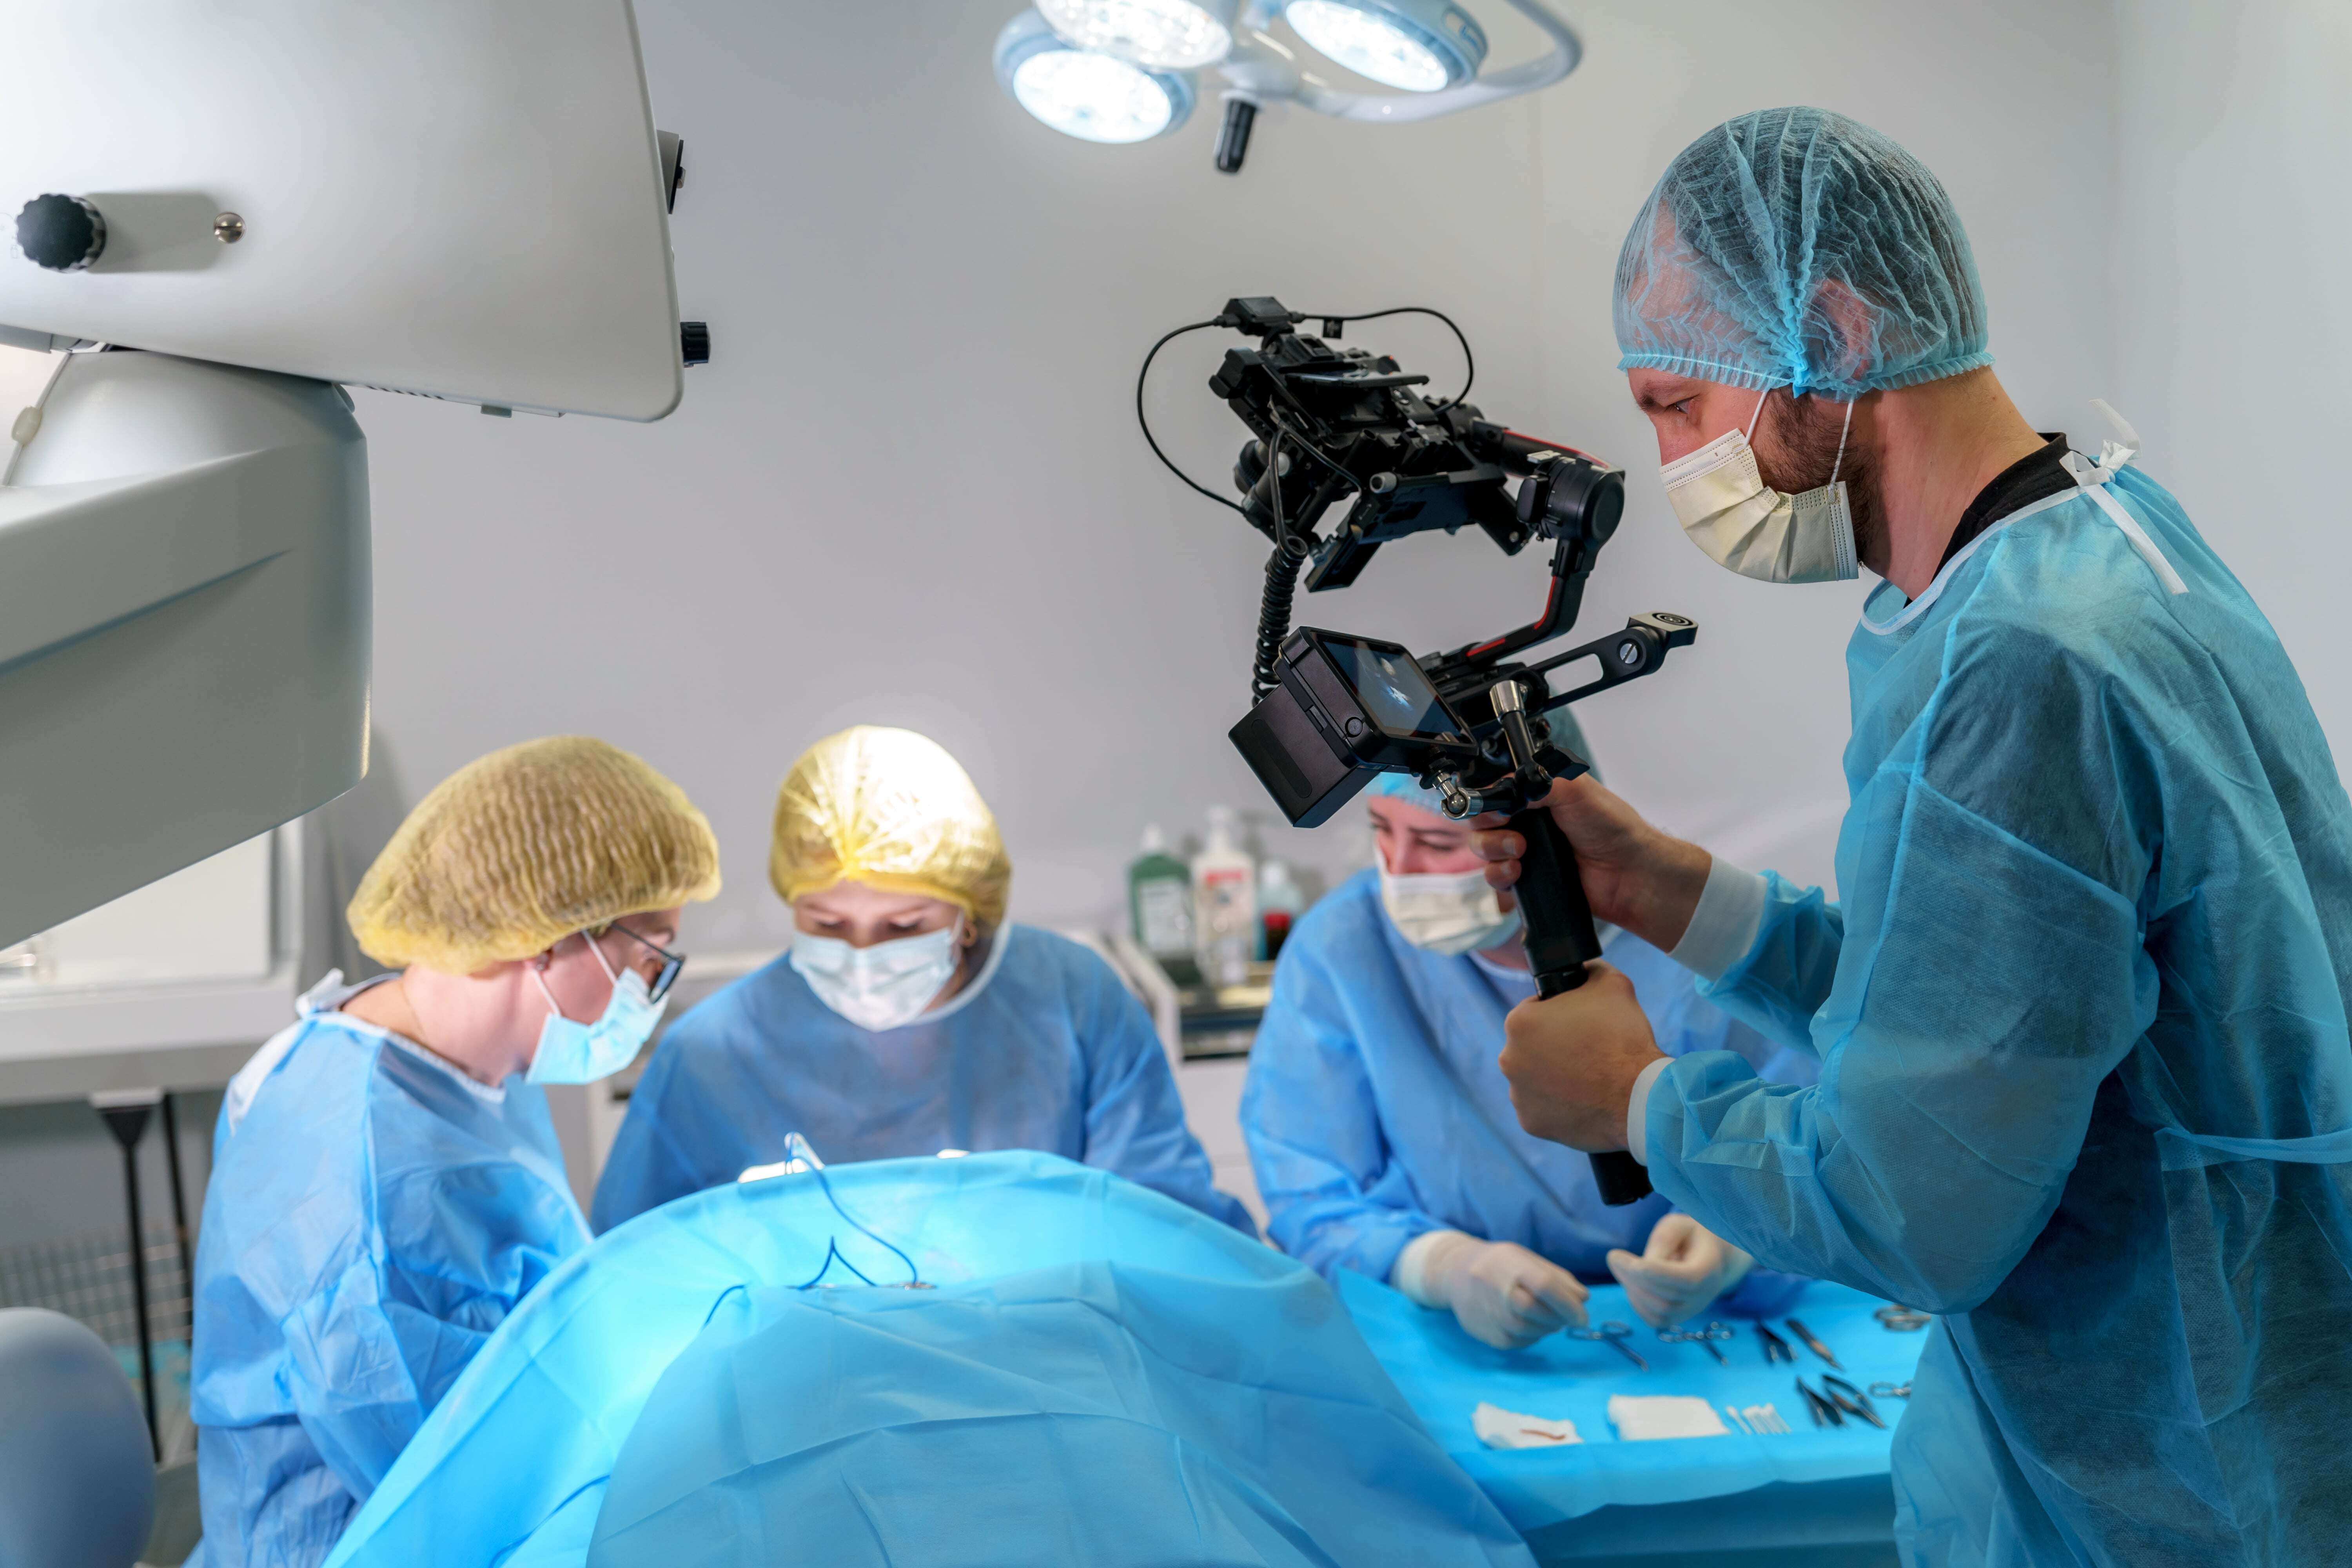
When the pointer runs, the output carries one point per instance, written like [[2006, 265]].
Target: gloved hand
[[1683, 1266], [1499, 1291]]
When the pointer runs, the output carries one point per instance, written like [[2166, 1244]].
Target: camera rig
[[1331, 709]]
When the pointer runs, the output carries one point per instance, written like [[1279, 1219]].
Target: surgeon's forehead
[[848, 898]]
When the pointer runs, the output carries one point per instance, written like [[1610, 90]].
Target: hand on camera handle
[[1634, 876]]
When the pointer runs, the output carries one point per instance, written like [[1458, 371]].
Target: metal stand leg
[[125, 1113]]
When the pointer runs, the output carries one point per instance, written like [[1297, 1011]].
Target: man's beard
[[1796, 445]]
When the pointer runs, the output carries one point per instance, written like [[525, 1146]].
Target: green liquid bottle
[[1160, 899]]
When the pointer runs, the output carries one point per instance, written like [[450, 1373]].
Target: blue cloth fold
[[1101, 1375]]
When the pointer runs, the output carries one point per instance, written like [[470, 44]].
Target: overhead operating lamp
[[1128, 71], [223, 215]]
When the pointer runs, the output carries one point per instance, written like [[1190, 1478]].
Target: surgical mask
[[882, 986], [572, 1052], [1448, 914], [1742, 522]]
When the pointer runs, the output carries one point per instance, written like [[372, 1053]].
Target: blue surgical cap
[[1795, 247], [1565, 732]]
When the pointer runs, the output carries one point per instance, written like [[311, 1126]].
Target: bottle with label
[[1159, 898], [1224, 902], [1280, 903]]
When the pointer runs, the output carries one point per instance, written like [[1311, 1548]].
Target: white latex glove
[[1499, 1291], [1683, 1269]]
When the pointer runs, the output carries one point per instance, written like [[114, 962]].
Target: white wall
[[2234, 126], [910, 489]]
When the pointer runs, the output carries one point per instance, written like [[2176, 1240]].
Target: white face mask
[[1448, 914], [882, 986], [1741, 522]]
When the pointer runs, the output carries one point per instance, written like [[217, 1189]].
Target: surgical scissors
[[1706, 1337], [1851, 1400], [1613, 1333], [1898, 1319]]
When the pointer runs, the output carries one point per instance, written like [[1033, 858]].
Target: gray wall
[[2233, 318]]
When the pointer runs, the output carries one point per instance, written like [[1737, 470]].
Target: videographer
[[2086, 1086]]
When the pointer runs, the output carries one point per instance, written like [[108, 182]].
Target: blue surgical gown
[[1045, 1050], [2085, 1087], [1374, 1110], [373, 1214]]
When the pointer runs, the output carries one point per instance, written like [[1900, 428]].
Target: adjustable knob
[[64, 234], [694, 342]]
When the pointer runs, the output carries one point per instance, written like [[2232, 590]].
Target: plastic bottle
[[1224, 902], [1159, 898], [1280, 903]]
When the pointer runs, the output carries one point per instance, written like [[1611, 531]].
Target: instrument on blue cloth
[[1706, 1337], [1613, 1333]]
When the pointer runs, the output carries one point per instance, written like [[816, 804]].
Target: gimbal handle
[[1560, 934]]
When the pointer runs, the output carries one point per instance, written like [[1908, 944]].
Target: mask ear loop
[[1749, 436], [1843, 433], [541, 976]]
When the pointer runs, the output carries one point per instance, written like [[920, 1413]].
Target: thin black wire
[[1469, 362], [1146, 422], [914, 1274]]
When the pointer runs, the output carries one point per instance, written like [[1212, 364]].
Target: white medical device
[[461, 200]]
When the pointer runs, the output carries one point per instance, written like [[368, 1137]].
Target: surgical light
[[1128, 71], [1085, 93], [1163, 35], [1415, 47]]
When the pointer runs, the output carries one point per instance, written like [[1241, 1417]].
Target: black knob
[[64, 234], [694, 342]]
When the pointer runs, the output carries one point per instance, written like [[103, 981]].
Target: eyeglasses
[[671, 962]]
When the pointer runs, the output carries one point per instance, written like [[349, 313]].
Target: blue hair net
[[1795, 247]]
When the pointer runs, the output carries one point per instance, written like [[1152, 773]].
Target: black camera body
[[1331, 711]]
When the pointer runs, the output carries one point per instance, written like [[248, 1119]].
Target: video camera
[[1331, 709]]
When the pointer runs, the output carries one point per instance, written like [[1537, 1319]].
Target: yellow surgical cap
[[516, 851], [892, 810]]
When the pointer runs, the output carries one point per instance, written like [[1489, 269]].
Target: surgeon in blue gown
[[909, 1017], [1383, 1134], [2082, 1001], [386, 1184]]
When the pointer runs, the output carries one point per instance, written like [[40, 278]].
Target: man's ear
[[1849, 327]]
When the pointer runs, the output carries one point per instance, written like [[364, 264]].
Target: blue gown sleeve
[[1789, 970], [365, 1368], [1313, 1126], [1687, 1023], [1990, 976], [647, 1169], [1135, 1118]]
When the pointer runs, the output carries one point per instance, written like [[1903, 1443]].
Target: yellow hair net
[[891, 809], [516, 851]]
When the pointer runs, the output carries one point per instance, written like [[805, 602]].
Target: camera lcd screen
[[1395, 694]]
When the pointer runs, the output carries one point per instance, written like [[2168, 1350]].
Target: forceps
[[1775, 1347], [1613, 1335], [1706, 1337]]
